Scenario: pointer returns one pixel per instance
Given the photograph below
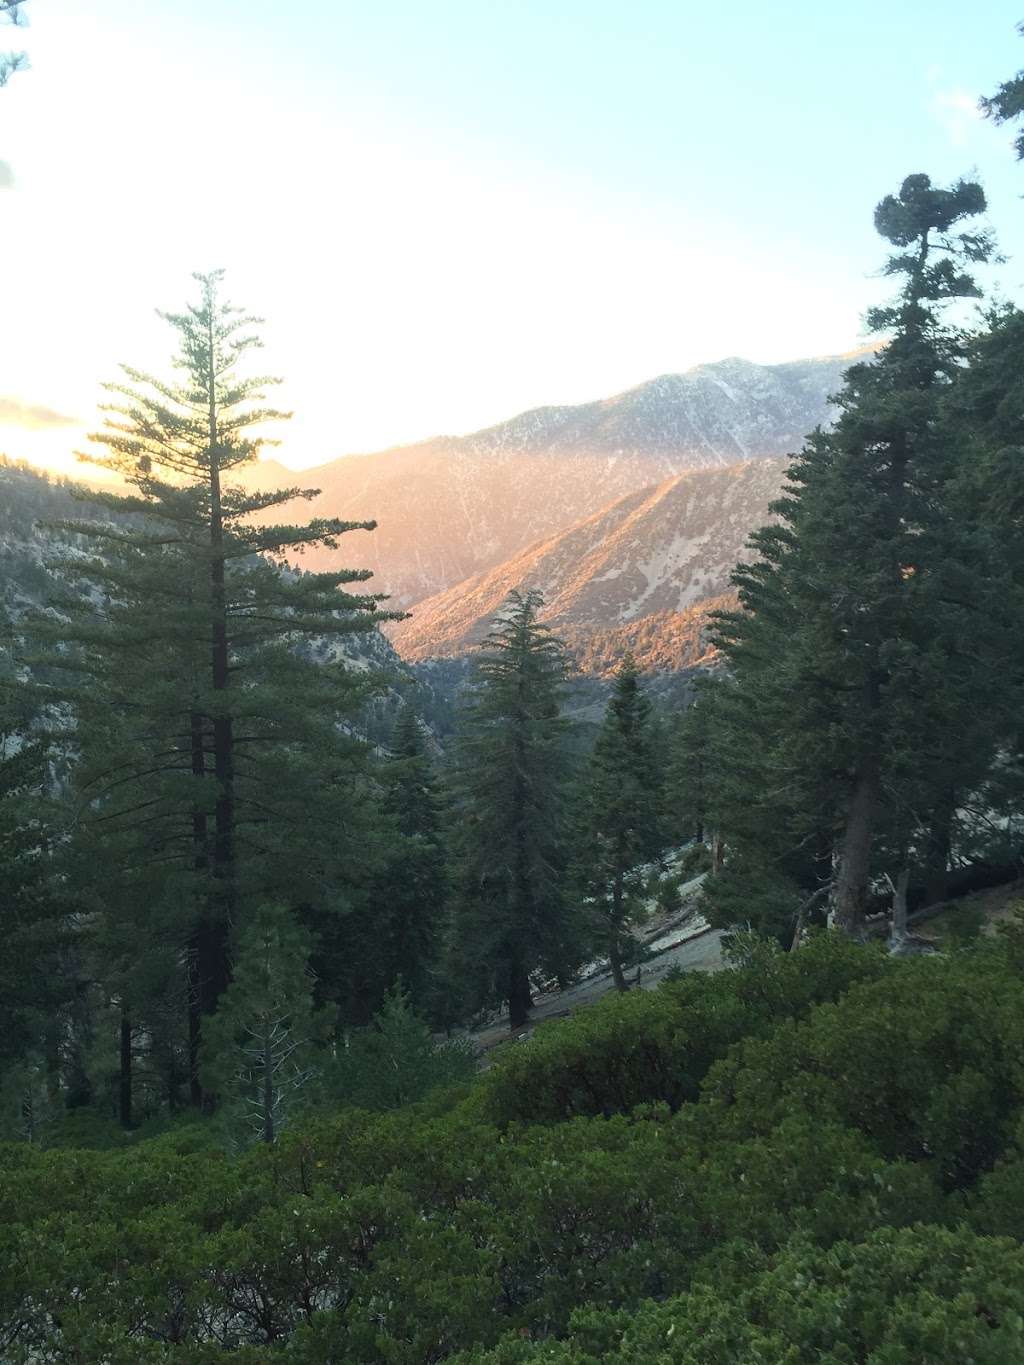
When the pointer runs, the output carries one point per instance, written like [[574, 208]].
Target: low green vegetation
[[815, 1157]]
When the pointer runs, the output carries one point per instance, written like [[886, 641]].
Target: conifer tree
[[32, 921], [512, 813], [1007, 104], [11, 12], [624, 815], [395, 1061], [690, 767], [412, 896], [847, 654], [202, 718], [261, 1052]]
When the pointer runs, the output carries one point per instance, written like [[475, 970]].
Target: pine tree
[[11, 12], [985, 408], [624, 815], [203, 721], [413, 893], [395, 1061], [1007, 104], [262, 1050], [33, 921], [512, 813], [847, 654], [690, 767]]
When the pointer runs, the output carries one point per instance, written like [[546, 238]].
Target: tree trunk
[[615, 946], [940, 839], [520, 999], [899, 908], [195, 1088], [208, 960], [615, 959], [268, 1091], [717, 853], [200, 859], [125, 1078], [223, 738], [854, 871]]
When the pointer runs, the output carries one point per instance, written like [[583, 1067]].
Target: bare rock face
[[642, 574], [453, 507]]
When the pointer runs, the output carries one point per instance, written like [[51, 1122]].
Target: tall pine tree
[[847, 655], [213, 746], [512, 779], [625, 827], [407, 928]]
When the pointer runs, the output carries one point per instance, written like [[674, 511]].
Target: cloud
[[6, 176], [14, 413], [958, 112]]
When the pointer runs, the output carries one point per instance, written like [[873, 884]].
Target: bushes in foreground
[[920, 1294], [791, 1190], [658, 1046]]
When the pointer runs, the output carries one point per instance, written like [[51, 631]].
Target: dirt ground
[[684, 941], [687, 942], [994, 906]]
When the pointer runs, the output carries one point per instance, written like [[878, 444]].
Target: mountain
[[666, 642], [455, 506], [633, 575]]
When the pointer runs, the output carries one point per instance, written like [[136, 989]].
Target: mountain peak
[[455, 506]]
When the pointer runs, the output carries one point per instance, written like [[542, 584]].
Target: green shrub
[[778, 1205], [928, 1062], [658, 1045], [898, 1298]]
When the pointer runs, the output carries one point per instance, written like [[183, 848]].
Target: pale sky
[[450, 211]]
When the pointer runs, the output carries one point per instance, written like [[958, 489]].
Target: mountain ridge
[[659, 552], [667, 378], [451, 507]]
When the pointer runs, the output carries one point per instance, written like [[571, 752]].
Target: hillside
[[663, 642], [631, 574], [456, 506]]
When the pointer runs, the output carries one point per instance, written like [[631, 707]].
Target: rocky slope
[[633, 575], [450, 508]]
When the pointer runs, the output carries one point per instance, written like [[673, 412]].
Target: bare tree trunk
[[199, 863], [615, 959], [717, 853], [898, 935], [854, 871], [195, 1088], [615, 946], [804, 911], [125, 1078], [940, 838], [520, 999], [268, 1090], [211, 948]]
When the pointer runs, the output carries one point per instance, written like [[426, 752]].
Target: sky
[[450, 211]]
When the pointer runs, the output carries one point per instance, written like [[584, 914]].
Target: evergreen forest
[[266, 902]]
